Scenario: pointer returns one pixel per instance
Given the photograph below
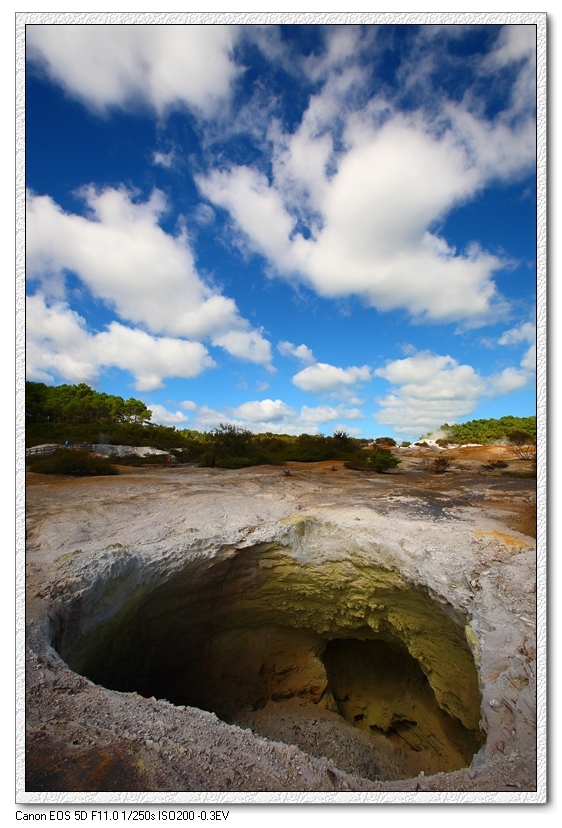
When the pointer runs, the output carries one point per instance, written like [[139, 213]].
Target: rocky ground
[[464, 537]]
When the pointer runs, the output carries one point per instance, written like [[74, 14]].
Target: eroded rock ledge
[[367, 642]]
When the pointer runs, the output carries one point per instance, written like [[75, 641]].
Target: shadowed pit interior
[[257, 627]]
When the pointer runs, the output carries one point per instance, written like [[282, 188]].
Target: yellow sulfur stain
[[504, 537]]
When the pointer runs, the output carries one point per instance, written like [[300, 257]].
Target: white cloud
[[162, 67], [275, 416], [525, 332], [429, 390], [146, 275], [510, 379], [370, 202], [163, 159], [204, 214], [264, 411], [529, 361], [248, 345], [188, 405], [58, 343], [301, 352], [328, 413], [162, 416], [323, 377], [514, 43]]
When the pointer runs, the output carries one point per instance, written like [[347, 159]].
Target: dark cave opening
[[238, 634]]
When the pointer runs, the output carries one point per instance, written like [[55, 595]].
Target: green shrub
[[385, 441], [382, 461], [188, 455], [71, 462], [235, 462], [405, 444], [359, 462], [207, 459]]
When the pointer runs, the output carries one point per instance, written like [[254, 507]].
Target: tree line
[[491, 430], [79, 404], [77, 413]]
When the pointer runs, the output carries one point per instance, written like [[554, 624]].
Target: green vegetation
[[79, 404], [378, 460], [55, 414], [383, 461], [71, 462], [490, 431], [232, 447]]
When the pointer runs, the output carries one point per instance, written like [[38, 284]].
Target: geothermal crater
[[320, 614], [257, 626]]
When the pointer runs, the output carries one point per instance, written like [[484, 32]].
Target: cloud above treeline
[[261, 416], [348, 199], [427, 388]]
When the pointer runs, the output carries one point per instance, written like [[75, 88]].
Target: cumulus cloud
[[357, 191], [301, 352], [275, 416], [526, 332], [429, 390], [162, 67], [323, 377], [146, 275], [162, 416], [59, 344], [264, 411], [248, 345]]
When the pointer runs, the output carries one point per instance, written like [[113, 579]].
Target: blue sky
[[290, 228]]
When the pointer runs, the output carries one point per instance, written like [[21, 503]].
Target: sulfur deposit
[[211, 630]]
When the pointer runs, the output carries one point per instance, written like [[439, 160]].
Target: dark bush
[[405, 444], [359, 462], [493, 465], [207, 459], [523, 445], [378, 460], [382, 461], [69, 461], [385, 441], [235, 462], [440, 465], [188, 455]]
